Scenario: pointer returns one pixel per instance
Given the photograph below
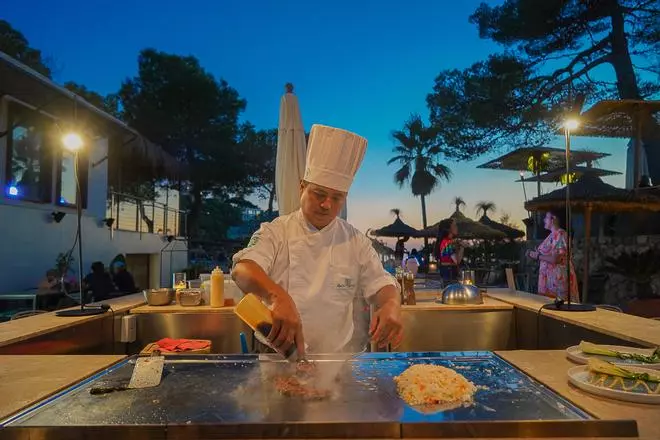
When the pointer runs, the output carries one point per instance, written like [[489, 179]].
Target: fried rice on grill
[[424, 384]]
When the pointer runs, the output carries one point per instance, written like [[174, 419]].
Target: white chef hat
[[333, 157]]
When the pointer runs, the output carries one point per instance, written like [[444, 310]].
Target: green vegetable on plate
[[589, 348], [604, 367]]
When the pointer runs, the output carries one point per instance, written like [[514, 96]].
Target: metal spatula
[[147, 373]]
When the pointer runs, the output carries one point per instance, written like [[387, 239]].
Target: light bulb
[[571, 124], [72, 142]]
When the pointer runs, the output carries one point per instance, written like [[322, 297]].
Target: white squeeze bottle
[[217, 288]]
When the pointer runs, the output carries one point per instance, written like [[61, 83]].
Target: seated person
[[449, 252], [53, 279], [51, 282], [123, 279], [99, 282]]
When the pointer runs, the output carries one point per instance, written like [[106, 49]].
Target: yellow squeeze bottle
[[217, 288], [260, 319], [254, 313]]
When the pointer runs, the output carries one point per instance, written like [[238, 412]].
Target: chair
[[26, 313], [522, 282], [610, 308]]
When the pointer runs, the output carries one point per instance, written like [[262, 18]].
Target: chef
[[309, 265]]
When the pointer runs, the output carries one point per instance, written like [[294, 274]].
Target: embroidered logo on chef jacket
[[253, 240], [346, 284]]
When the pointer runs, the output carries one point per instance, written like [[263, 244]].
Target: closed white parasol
[[291, 153]]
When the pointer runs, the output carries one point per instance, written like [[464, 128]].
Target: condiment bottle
[[399, 278], [217, 288], [410, 289], [254, 313]]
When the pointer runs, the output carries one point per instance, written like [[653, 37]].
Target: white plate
[[578, 356], [579, 376]]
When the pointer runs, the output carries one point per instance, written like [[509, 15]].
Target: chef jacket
[[322, 270]]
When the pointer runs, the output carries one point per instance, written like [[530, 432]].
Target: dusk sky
[[362, 65]]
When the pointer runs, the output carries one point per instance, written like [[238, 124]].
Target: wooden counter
[[27, 379], [550, 368], [631, 328], [176, 308], [33, 326]]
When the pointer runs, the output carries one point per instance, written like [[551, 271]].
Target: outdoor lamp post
[[73, 143], [569, 125]]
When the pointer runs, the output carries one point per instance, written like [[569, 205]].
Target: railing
[[130, 213]]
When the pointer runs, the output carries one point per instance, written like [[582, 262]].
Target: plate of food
[[616, 354], [629, 383]]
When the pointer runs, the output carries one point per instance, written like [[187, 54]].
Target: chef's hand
[[386, 326], [287, 326]]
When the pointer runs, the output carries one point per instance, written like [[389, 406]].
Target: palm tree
[[417, 153], [458, 201], [485, 207], [505, 219]]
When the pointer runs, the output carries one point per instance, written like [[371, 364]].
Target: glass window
[[66, 183], [67, 194], [29, 155]]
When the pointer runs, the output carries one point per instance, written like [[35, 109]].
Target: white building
[[37, 201]]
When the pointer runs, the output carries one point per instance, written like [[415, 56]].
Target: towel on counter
[[177, 345]]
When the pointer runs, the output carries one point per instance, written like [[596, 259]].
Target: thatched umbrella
[[592, 194], [559, 175], [396, 229], [623, 118], [510, 232], [467, 229], [381, 248], [539, 159]]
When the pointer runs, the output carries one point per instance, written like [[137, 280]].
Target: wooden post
[[637, 162], [585, 256]]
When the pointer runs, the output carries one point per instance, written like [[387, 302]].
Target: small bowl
[[158, 297], [190, 297]]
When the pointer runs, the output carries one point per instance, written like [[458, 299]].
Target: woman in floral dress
[[551, 255]]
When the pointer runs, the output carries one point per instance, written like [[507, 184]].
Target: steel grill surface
[[238, 389]]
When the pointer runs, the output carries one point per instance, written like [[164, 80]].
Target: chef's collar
[[310, 227]]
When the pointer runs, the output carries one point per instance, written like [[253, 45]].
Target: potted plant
[[640, 268], [63, 262]]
